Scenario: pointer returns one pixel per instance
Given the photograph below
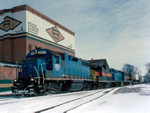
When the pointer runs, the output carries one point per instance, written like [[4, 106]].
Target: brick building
[[22, 29]]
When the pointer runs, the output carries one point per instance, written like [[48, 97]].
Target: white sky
[[117, 30]]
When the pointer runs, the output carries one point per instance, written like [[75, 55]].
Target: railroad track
[[75, 103], [10, 99], [49, 104]]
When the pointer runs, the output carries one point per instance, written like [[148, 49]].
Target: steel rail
[[52, 107], [87, 102]]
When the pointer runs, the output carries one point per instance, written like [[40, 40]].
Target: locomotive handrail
[[24, 91], [42, 71], [37, 74]]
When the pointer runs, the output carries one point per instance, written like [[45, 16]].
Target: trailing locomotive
[[121, 78], [46, 71], [107, 77]]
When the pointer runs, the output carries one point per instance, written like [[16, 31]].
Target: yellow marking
[[92, 74], [5, 85], [128, 77]]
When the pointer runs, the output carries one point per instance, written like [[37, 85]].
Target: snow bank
[[5, 93], [9, 65]]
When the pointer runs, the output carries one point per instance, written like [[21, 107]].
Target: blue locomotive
[[46, 71]]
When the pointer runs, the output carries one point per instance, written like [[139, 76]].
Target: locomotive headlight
[[32, 79], [35, 51], [15, 80]]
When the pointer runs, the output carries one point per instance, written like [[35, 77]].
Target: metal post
[[16, 69]]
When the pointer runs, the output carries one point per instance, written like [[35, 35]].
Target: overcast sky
[[116, 30]]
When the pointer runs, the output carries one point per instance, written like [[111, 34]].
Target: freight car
[[137, 78], [141, 79], [46, 71]]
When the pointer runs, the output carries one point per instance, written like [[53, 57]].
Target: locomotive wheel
[[86, 86], [53, 88]]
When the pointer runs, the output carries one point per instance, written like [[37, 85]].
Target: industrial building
[[23, 29]]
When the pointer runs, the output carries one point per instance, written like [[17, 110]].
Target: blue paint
[[117, 75], [54, 65]]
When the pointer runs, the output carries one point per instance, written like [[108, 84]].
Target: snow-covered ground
[[9, 65], [5, 92], [129, 99], [32, 104]]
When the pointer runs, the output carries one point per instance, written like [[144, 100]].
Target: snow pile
[[5, 93], [2, 64]]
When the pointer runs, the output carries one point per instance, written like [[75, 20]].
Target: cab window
[[57, 60], [49, 65]]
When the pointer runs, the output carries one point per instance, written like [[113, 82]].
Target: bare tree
[[147, 76], [137, 71], [148, 67], [128, 68], [133, 70]]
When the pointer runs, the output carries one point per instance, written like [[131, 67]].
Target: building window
[[57, 59], [35, 47]]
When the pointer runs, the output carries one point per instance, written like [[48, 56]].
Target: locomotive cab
[[33, 74]]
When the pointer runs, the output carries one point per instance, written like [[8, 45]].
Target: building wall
[[7, 50], [12, 50], [19, 49], [12, 22], [49, 31], [7, 75], [22, 28], [1, 51], [32, 44]]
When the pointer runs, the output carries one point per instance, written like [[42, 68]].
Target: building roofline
[[37, 13]]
